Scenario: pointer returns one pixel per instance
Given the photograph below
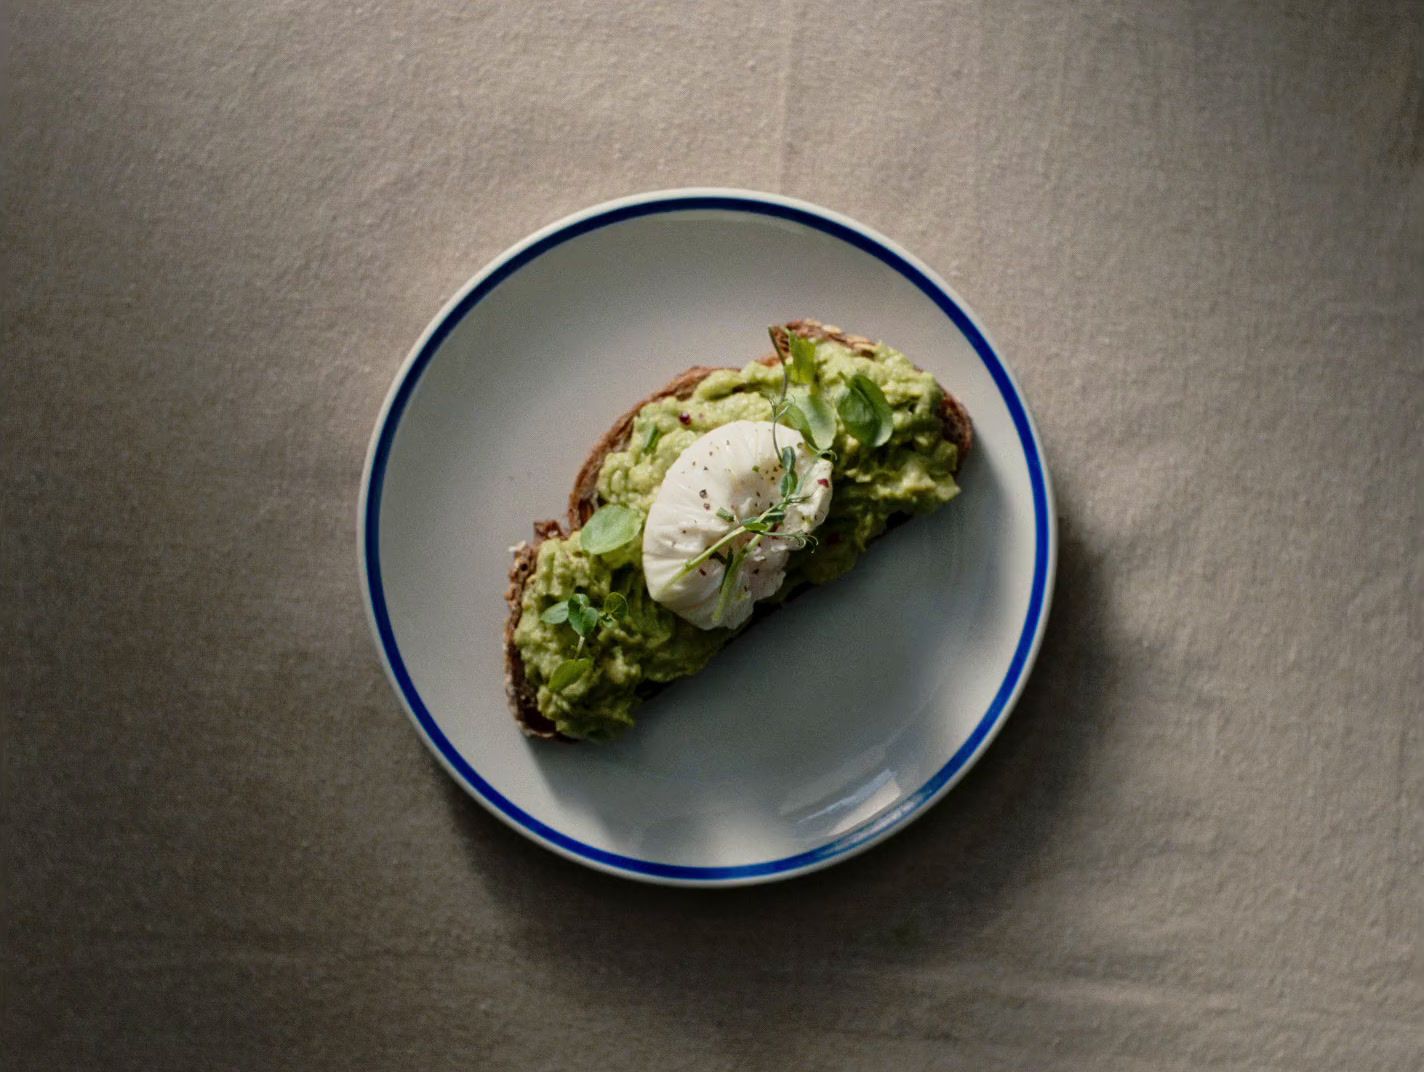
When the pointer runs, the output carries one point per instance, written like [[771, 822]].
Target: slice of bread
[[583, 501]]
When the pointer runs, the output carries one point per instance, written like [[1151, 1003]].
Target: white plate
[[901, 673]]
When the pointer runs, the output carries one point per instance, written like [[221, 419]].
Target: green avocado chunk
[[912, 473]]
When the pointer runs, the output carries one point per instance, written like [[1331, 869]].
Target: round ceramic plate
[[828, 726]]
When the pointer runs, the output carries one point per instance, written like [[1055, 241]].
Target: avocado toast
[[628, 656]]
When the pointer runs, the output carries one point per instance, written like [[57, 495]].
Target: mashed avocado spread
[[912, 473]]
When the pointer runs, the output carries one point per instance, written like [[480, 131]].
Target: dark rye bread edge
[[583, 501]]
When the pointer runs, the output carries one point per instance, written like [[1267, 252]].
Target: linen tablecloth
[[1195, 231]]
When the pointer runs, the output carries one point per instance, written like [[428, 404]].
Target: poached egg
[[732, 470]]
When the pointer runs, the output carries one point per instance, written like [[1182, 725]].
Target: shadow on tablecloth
[[931, 893]]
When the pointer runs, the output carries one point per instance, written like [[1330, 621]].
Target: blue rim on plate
[[838, 227]]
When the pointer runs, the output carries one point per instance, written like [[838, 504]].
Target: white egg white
[[734, 469]]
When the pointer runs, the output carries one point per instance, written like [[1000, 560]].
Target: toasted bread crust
[[583, 501], [523, 700]]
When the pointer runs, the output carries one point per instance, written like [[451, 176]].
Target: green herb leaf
[[789, 477], [654, 434], [728, 587], [866, 413], [790, 415], [616, 606], [803, 358], [818, 419], [556, 614], [583, 618], [726, 515], [567, 672], [609, 529]]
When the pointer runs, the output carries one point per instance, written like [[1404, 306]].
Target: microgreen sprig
[[808, 413], [801, 403], [585, 620], [763, 524]]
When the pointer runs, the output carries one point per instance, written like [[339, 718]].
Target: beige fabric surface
[[1197, 232]]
